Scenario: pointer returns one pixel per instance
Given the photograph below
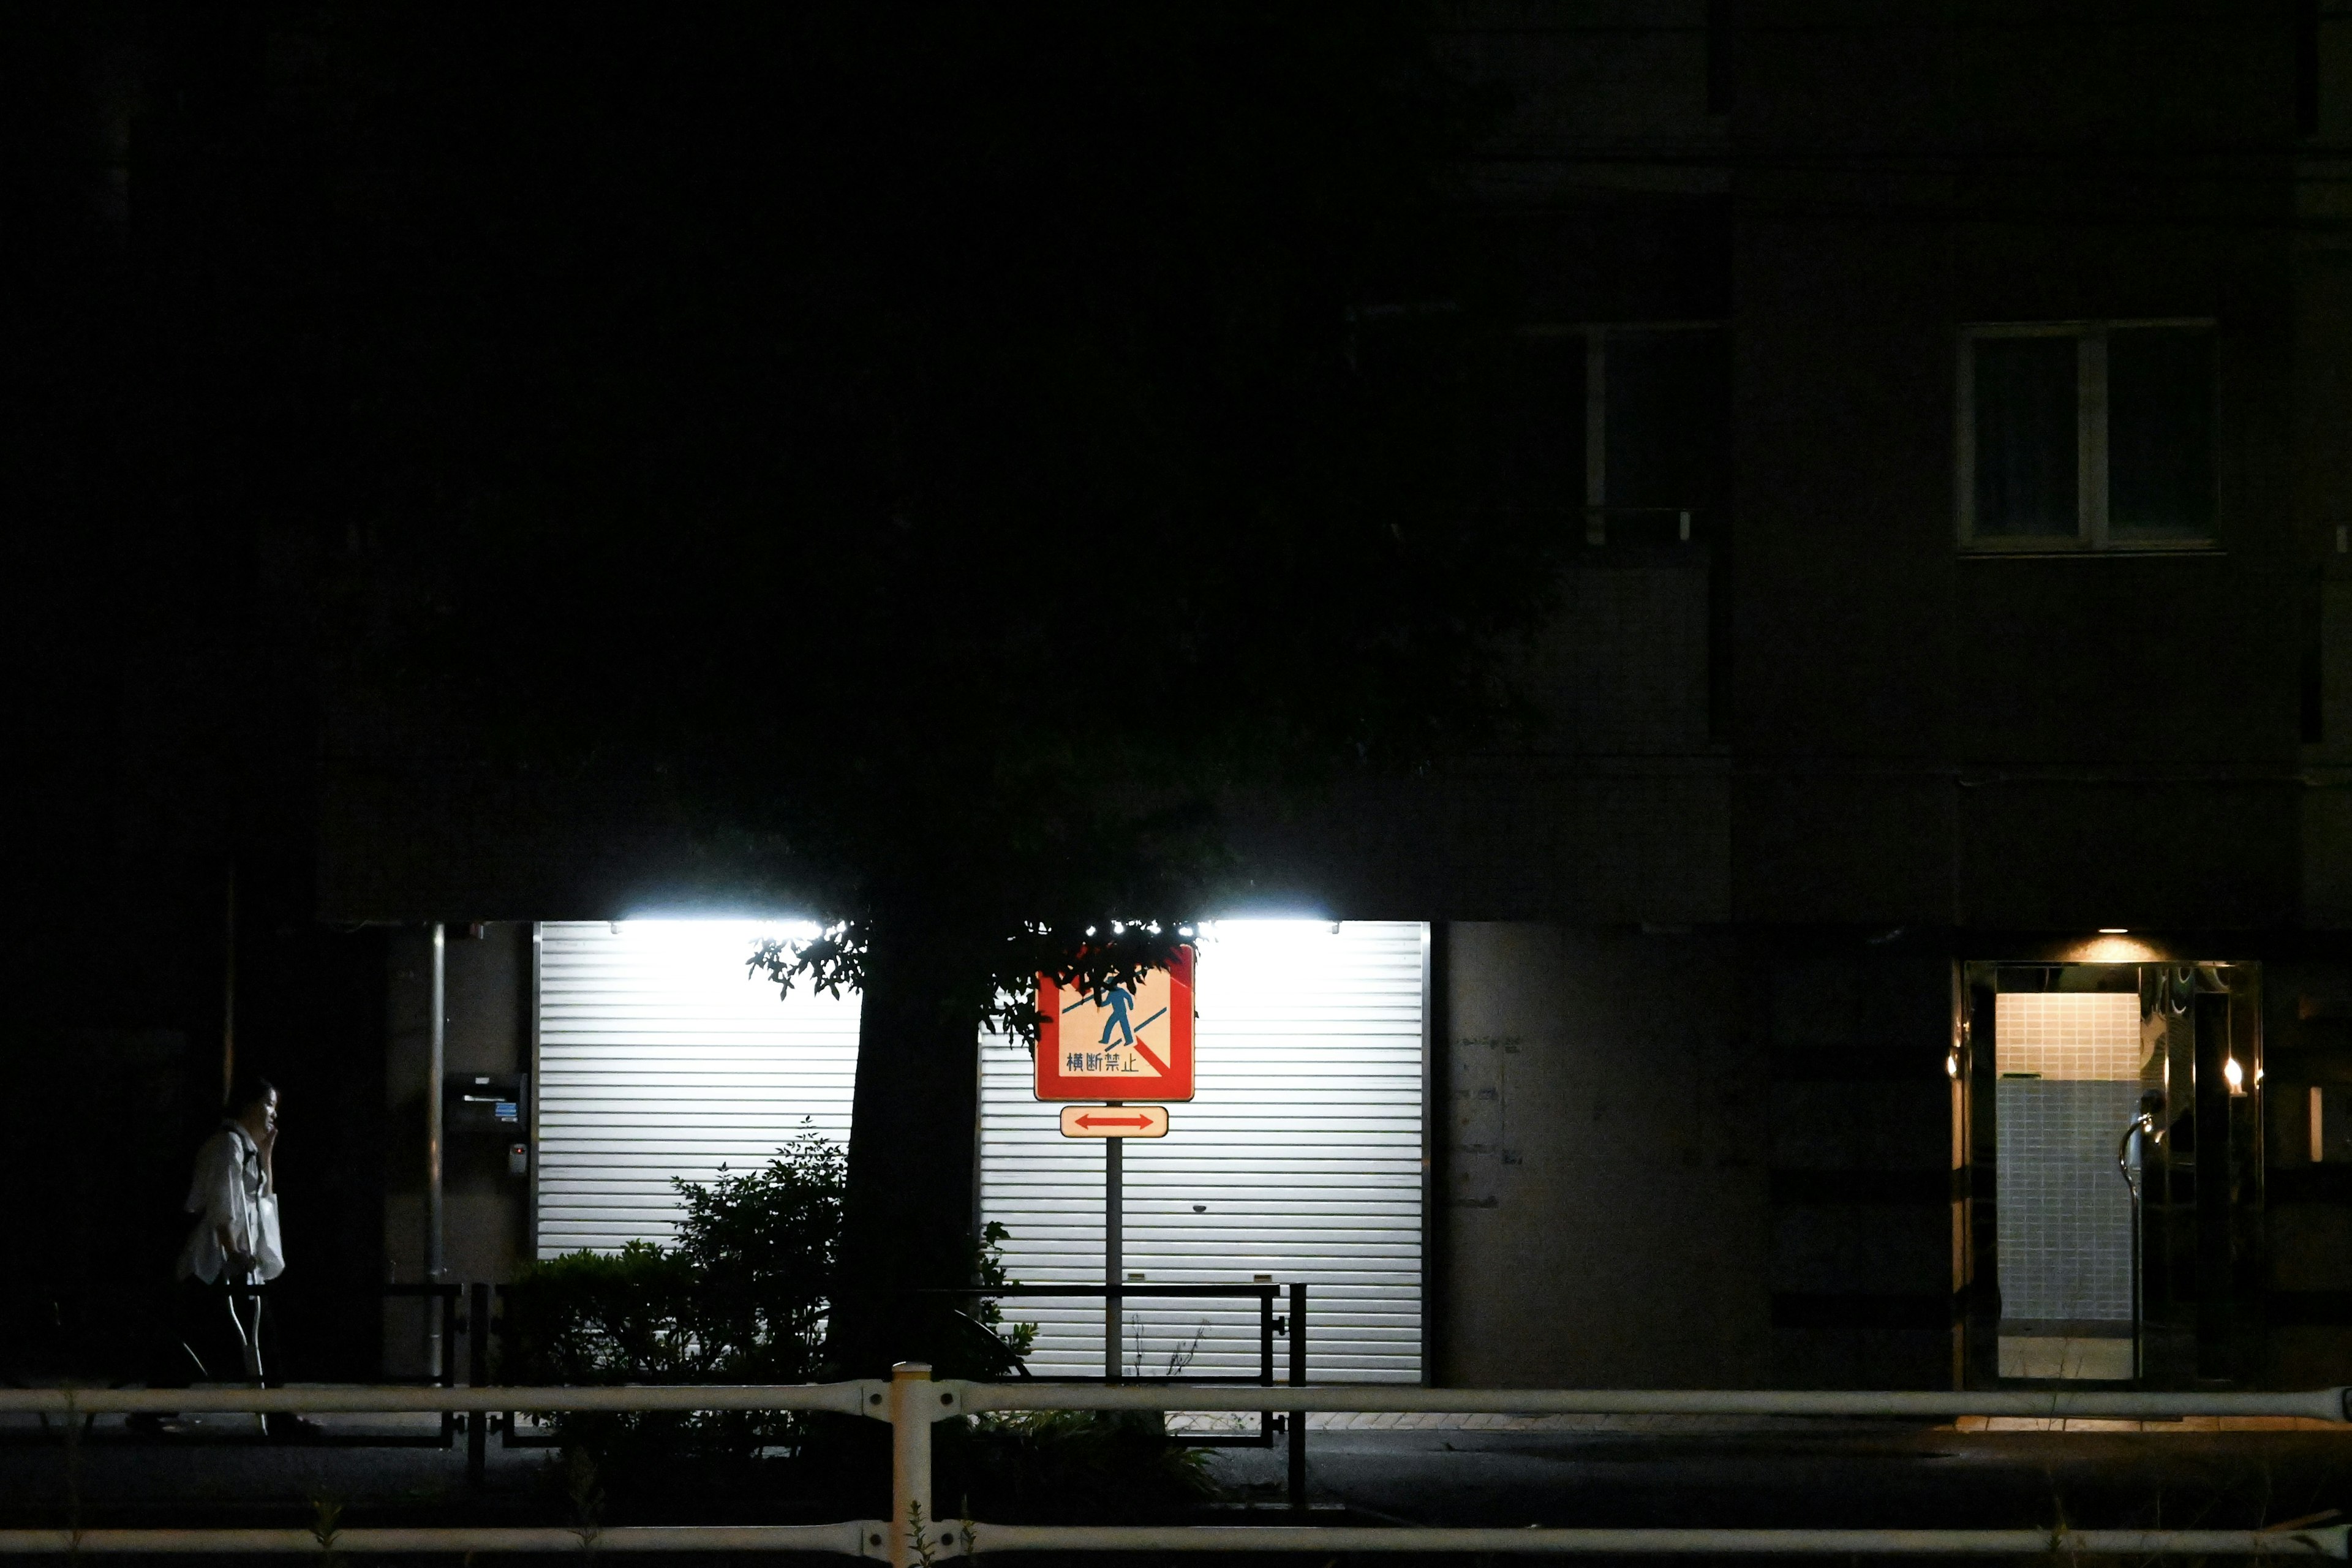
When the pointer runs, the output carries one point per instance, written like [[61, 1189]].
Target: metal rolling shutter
[[660, 1057], [1301, 1158]]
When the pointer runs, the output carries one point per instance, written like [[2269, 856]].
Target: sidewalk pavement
[[1430, 1421], [1661, 1470]]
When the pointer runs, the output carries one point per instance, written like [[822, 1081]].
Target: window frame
[[1595, 336], [2091, 490]]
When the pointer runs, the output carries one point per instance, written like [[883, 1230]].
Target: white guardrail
[[912, 1401]]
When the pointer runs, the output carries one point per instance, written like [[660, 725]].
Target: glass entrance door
[[2115, 1105]]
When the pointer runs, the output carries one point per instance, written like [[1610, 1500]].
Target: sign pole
[[1114, 1249], [1152, 1017]]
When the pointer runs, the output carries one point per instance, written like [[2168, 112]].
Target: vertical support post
[[435, 1057], [1436, 1089], [1298, 1377], [1114, 1253], [229, 989], [529, 1106], [910, 1458], [2216, 1190], [2139, 1308], [441, 1308], [1265, 1358], [477, 1374]]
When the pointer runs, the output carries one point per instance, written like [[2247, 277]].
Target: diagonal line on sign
[[1145, 1052]]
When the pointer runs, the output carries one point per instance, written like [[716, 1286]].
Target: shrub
[[741, 1297], [1071, 1467]]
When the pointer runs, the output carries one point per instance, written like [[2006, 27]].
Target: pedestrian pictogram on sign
[[1129, 1043], [1114, 1122]]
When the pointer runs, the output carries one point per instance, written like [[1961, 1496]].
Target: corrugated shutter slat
[[1303, 1147], [660, 1057]]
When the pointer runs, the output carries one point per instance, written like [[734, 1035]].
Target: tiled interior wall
[[2064, 1227], [2067, 1036], [2064, 1231]]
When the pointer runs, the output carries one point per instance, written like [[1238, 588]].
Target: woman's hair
[[245, 1089]]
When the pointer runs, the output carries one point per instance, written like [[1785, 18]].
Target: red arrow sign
[[1114, 1122]]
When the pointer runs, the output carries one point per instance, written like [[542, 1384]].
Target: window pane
[[2025, 435], [1667, 393], [2160, 433]]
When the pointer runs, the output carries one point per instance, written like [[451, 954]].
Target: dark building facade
[[1949, 404], [1952, 405], [2003, 658], [1947, 739]]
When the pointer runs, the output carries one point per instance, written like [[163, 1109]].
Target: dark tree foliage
[[940, 456]]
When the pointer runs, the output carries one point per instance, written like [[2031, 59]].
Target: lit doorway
[[2115, 1126]]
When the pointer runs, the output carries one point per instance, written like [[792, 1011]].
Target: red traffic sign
[[1123, 1045], [1114, 1122]]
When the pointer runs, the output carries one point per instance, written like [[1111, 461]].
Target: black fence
[[441, 1309], [1290, 1325], [472, 1312]]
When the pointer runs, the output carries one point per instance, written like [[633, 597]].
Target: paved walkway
[[1394, 1421], [1458, 1469], [1826, 1474]]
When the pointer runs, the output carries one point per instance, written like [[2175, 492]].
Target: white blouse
[[231, 1192]]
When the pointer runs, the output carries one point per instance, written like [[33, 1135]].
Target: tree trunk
[[909, 1221]]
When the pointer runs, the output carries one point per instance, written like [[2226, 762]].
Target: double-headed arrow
[[1114, 1122]]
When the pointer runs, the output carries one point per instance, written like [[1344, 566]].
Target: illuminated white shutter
[[1300, 1158], [660, 1056]]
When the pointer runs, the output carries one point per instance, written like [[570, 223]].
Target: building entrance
[[2118, 1106]]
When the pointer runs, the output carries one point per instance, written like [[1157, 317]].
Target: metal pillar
[[478, 1373], [1297, 1376], [435, 1069]]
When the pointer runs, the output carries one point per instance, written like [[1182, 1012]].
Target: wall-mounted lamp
[[2115, 931], [2235, 1074]]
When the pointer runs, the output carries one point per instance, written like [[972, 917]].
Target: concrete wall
[[2306, 1043], [1720, 1159], [1600, 1220], [1866, 1186]]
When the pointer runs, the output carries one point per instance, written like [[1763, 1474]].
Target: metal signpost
[[1115, 1046]]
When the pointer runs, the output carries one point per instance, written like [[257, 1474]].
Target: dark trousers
[[207, 1335]]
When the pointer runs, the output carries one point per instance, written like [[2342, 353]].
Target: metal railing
[[911, 1402], [1265, 1293], [1291, 1325], [440, 1299]]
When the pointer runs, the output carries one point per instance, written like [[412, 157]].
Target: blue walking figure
[[1119, 1000]]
